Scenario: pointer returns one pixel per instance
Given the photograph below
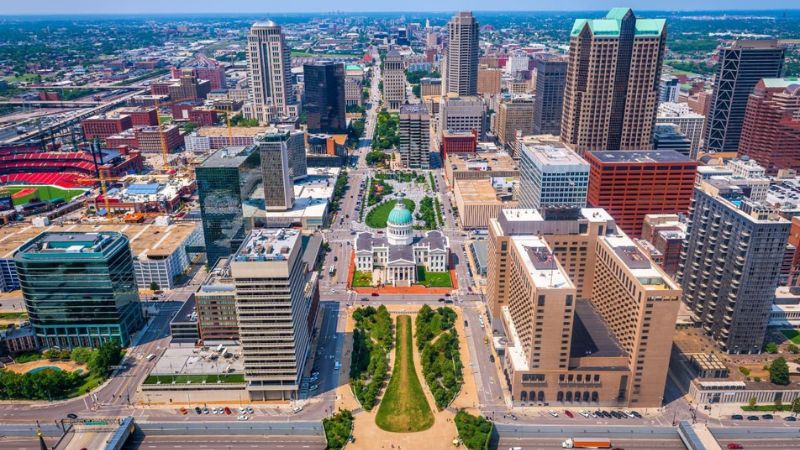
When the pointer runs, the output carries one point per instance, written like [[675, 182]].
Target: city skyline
[[91, 7]]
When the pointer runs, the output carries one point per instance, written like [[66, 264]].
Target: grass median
[[404, 408]]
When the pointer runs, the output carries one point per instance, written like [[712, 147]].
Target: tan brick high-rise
[[611, 93], [588, 317]]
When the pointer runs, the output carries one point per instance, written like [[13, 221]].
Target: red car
[[568, 413], [227, 411], [734, 445]]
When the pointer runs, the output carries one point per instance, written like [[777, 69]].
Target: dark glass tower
[[224, 180], [551, 78], [741, 65], [324, 98], [79, 288]]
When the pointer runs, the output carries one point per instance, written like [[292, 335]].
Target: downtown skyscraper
[[612, 82], [325, 97], [461, 65], [741, 65], [269, 67]]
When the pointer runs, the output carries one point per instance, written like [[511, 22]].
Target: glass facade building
[[224, 180], [80, 288]]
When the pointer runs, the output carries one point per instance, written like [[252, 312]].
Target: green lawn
[[404, 408], [376, 218], [767, 408], [362, 279], [13, 315], [792, 335], [195, 379], [90, 382], [43, 192], [433, 279]]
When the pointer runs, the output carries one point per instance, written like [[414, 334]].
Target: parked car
[[767, 416], [552, 413], [752, 417], [568, 413], [227, 411], [183, 411], [790, 419], [491, 358], [737, 417], [734, 445], [636, 414]]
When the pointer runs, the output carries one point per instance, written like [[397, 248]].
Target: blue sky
[[267, 6]]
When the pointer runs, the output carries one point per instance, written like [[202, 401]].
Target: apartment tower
[[612, 82], [414, 131], [731, 262]]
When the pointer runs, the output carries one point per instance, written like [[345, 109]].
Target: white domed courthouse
[[398, 253]]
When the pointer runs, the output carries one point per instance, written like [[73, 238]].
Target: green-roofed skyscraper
[[611, 95]]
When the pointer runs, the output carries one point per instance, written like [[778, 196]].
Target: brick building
[[632, 184]]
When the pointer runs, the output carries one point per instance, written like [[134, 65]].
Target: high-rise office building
[[275, 173], [394, 80], [669, 90], [415, 141], [630, 185], [612, 82], [461, 60], [324, 102], [730, 264], [689, 123], [270, 73], [771, 129], [514, 116], [589, 318], [461, 114], [353, 84], [741, 65], [551, 78], [224, 180], [79, 288], [275, 307], [668, 136], [552, 177]]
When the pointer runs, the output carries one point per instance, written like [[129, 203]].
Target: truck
[[586, 443]]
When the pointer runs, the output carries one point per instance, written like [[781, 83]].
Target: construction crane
[[162, 139], [102, 179]]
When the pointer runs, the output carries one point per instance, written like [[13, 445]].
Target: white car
[[242, 417], [553, 413]]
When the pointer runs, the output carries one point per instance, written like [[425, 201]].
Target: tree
[[752, 401], [771, 347], [108, 354], [793, 349], [796, 405], [188, 127], [154, 286], [779, 372]]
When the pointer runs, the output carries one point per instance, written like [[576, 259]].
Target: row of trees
[[386, 136], [338, 429], [474, 431], [427, 214], [339, 189], [415, 77], [441, 361], [372, 341], [55, 384]]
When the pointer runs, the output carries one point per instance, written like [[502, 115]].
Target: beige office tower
[[394, 81], [275, 306], [269, 68], [514, 115], [613, 74], [415, 140], [489, 80], [589, 318], [461, 66]]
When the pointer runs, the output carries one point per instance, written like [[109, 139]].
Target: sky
[[8, 7]]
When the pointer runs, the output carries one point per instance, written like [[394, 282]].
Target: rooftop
[[228, 157], [489, 161], [268, 245], [651, 156], [196, 361], [610, 25], [541, 263], [552, 155], [64, 242], [146, 240], [187, 313], [477, 191]]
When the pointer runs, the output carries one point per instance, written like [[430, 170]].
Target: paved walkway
[[443, 432]]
